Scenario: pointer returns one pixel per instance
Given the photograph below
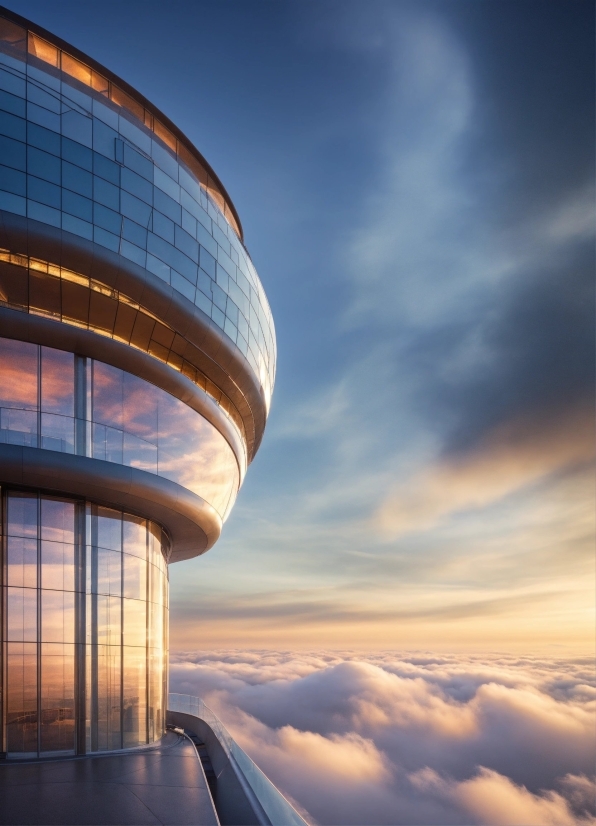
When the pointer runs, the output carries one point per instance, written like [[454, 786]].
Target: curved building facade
[[137, 362]]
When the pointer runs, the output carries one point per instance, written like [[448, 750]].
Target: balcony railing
[[279, 811]]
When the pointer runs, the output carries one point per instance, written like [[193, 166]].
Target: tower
[[137, 361]]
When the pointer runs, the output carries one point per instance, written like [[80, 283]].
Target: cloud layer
[[410, 740]]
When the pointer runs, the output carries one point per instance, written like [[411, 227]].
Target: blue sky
[[415, 182]]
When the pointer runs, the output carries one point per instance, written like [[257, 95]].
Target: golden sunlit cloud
[[512, 456]]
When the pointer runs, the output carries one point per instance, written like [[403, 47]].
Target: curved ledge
[[45, 331], [192, 524], [204, 344]]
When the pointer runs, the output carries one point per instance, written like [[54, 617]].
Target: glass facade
[[85, 640], [55, 400], [132, 206], [77, 157]]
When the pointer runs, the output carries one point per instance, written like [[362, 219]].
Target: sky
[[398, 619], [416, 186]]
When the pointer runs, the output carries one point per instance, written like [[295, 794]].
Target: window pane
[[57, 566], [134, 532], [22, 515], [134, 705], [135, 577], [109, 613], [18, 374], [109, 528], [22, 614], [57, 381], [57, 433], [107, 395], [57, 616], [108, 722], [109, 572], [57, 728], [57, 520], [21, 561], [21, 705], [134, 616]]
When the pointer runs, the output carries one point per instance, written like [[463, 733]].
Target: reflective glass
[[21, 557], [57, 724], [107, 726], [134, 700], [57, 616], [18, 374], [57, 566], [21, 698]]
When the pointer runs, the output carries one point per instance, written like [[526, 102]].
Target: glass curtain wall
[[58, 401], [85, 627]]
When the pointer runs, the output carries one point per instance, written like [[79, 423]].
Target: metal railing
[[279, 811]]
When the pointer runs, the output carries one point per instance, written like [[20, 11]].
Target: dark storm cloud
[[539, 333]]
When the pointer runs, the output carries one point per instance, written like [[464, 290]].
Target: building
[[137, 361]]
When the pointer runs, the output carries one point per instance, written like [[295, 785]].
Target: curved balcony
[[243, 793]]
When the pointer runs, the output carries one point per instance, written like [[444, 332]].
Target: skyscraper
[[137, 361]]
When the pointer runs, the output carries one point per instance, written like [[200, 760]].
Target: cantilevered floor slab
[[163, 785]]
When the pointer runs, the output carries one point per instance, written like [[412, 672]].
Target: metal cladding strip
[[192, 524], [207, 346]]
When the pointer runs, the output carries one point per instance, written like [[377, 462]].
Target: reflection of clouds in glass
[[57, 520], [18, 374], [57, 616], [194, 454], [134, 423], [57, 381], [107, 394]]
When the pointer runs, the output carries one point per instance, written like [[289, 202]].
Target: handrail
[[279, 811]]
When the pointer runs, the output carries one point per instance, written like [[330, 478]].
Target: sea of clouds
[[410, 739]]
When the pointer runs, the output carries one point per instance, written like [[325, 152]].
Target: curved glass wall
[[85, 632], [72, 298], [55, 400], [71, 158]]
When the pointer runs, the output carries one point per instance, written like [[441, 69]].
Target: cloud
[[416, 739], [509, 458], [494, 800]]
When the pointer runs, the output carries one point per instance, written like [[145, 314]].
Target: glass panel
[[134, 702], [57, 381], [108, 725], [21, 561], [57, 566], [109, 620], [135, 622], [139, 453], [194, 454], [18, 374], [57, 616], [135, 578], [58, 520], [57, 433], [76, 69], [22, 515], [140, 402], [134, 533], [22, 614], [18, 427], [107, 395], [109, 528], [57, 729], [155, 693], [21, 705], [109, 572]]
